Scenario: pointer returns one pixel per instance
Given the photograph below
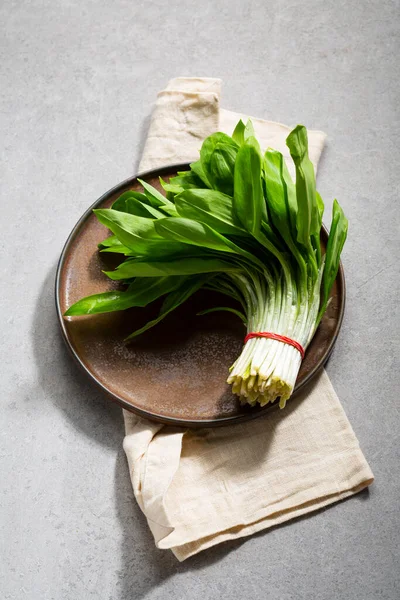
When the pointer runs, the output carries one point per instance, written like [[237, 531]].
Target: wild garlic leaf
[[125, 226], [238, 133], [178, 266], [272, 236], [249, 130], [186, 180], [119, 202], [118, 249], [171, 188], [112, 240], [336, 240], [278, 204], [132, 205], [192, 232], [137, 233], [174, 299], [140, 293], [252, 141], [234, 311], [321, 208], [210, 207], [276, 191], [207, 149], [290, 198], [248, 194], [222, 167], [169, 209], [154, 196], [198, 170], [307, 227], [308, 216]]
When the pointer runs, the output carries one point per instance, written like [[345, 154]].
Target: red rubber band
[[278, 338]]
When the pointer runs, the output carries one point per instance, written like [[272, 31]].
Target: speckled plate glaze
[[175, 373]]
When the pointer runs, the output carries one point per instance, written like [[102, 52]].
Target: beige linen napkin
[[198, 488]]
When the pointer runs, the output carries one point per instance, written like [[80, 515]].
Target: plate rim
[[190, 423]]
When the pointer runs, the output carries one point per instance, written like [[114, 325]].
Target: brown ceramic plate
[[175, 373]]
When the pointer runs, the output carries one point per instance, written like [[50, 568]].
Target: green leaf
[[171, 188], [154, 196], [249, 131], [140, 293], [179, 266], [321, 208], [207, 150], [224, 308], [248, 194], [336, 240], [238, 133], [279, 206], [307, 224], [137, 233], [128, 203], [112, 240], [290, 198], [272, 236], [210, 207], [243, 132], [222, 167], [308, 216], [170, 210], [198, 170], [173, 300], [129, 194], [129, 229], [186, 180], [315, 237], [118, 249], [132, 224], [192, 232], [252, 141]]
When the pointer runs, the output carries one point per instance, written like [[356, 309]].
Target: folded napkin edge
[[186, 550], [352, 482]]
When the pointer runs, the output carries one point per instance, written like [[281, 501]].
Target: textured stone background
[[77, 84]]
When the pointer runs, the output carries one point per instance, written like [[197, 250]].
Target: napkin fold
[[198, 488]]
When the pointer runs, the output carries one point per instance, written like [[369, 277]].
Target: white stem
[[267, 369]]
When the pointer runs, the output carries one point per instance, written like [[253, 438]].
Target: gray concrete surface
[[77, 84]]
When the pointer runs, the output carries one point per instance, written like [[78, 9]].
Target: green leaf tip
[[297, 142]]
